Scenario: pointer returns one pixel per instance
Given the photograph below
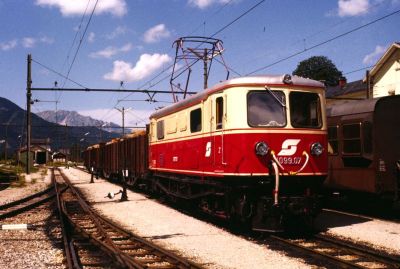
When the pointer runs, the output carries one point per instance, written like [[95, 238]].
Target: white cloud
[[28, 42], [110, 51], [91, 37], [146, 65], [46, 40], [156, 33], [78, 7], [375, 55], [120, 30], [125, 48], [353, 7], [8, 45], [202, 4]]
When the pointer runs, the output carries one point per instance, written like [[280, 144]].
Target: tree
[[319, 68]]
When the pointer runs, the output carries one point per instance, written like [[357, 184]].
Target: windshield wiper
[[276, 98]]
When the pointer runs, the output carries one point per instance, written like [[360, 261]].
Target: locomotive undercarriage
[[246, 201]]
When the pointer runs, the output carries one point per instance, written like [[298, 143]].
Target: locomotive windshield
[[266, 109], [305, 110]]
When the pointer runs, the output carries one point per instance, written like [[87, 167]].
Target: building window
[[333, 141], [195, 120], [160, 129], [351, 139], [219, 110]]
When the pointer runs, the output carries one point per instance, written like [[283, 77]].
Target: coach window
[[160, 129], [367, 137], [195, 120], [219, 108], [333, 140], [266, 109], [351, 139]]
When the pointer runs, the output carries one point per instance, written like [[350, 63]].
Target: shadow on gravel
[[327, 220], [117, 200], [166, 236], [5, 181]]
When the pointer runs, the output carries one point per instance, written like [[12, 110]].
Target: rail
[[341, 253], [127, 249], [27, 203]]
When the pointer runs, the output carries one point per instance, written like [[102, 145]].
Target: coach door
[[218, 125]]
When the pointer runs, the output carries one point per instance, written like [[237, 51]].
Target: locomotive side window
[[171, 125], [182, 121], [195, 120], [219, 108], [160, 129], [305, 110], [351, 138], [266, 109], [333, 142]]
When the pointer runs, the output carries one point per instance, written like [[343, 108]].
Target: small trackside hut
[[249, 149]]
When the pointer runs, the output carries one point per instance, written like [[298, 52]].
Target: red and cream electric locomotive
[[249, 149]]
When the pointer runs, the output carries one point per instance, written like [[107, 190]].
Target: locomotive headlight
[[317, 149], [262, 148]]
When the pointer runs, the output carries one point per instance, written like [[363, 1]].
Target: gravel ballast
[[34, 183], [40, 248], [203, 243], [379, 234]]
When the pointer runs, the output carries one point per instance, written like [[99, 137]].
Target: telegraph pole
[[28, 114], [124, 195]]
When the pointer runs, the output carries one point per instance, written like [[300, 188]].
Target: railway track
[[16, 207], [118, 248], [340, 253]]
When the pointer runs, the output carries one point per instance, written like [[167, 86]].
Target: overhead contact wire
[[324, 42]]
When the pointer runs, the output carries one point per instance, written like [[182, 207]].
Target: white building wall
[[387, 80]]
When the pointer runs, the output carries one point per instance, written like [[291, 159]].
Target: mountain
[[13, 130], [73, 118]]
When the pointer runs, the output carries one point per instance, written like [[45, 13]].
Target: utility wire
[[324, 42], [354, 71], [238, 18], [70, 49], [80, 42], [76, 35], [59, 74], [212, 15], [195, 61]]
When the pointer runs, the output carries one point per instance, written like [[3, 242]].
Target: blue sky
[[131, 41]]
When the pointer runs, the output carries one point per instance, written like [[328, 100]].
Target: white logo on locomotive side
[[208, 149], [289, 147]]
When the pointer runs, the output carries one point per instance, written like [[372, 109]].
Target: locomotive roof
[[270, 80]]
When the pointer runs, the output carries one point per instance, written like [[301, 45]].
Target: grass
[[16, 171], [19, 183]]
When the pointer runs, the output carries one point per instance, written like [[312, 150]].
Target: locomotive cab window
[[305, 110], [266, 109], [160, 129], [195, 120], [219, 110]]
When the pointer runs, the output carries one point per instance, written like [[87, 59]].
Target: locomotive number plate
[[289, 160]]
